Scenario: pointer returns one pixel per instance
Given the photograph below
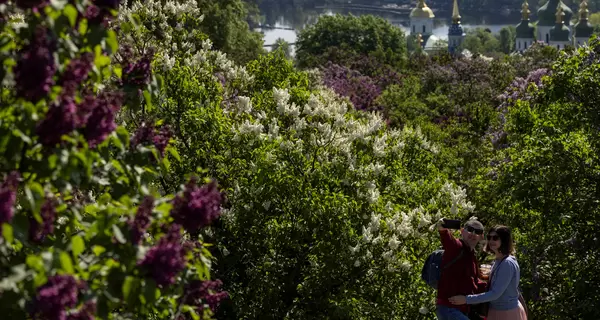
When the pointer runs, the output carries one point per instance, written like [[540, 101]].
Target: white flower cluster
[[157, 14], [458, 198]]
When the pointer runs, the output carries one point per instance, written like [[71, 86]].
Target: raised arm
[[449, 243], [500, 282]]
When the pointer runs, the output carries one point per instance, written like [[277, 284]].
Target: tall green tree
[[339, 37]]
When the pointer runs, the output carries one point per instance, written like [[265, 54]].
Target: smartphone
[[451, 224]]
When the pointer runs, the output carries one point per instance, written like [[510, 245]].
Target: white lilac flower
[[423, 310], [393, 243], [355, 249], [244, 104]]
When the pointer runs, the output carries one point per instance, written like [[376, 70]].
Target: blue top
[[504, 291]]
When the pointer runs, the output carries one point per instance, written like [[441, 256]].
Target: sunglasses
[[473, 230], [494, 237]]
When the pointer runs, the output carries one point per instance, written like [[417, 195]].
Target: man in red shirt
[[460, 278]]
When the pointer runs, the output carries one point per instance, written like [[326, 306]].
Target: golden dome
[[422, 11]]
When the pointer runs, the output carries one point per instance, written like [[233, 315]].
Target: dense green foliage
[[336, 38], [86, 231]]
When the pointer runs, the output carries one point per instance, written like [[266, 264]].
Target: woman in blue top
[[503, 292]]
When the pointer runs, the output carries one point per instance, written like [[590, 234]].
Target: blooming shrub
[[85, 231], [361, 90]]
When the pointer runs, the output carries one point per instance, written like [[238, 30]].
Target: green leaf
[[118, 234], [7, 232], [77, 245], [71, 12], [192, 312], [130, 286], [34, 262], [150, 292], [148, 100], [174, 153], [111, 41], [21, 135], [98, 250], [66, 262]]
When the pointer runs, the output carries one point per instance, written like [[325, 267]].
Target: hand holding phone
[[451, 224]]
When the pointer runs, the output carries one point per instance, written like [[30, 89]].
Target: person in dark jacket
[[461, 278]]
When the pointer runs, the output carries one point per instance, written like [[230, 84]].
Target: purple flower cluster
[[35, 67], [8, 196], [361, 90], [95, 117], [167, 259], [520, 89], [137, 73], [141, 221], [38, 231], [54, 297], [61, 119], [383, 74], [147, 134], [200, 293], [75, 73], [101, 120], [197, 207]]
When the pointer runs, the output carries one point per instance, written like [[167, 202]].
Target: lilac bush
[[84, 232], [361, 90]]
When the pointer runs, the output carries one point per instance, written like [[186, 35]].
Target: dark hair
[[506, 240]]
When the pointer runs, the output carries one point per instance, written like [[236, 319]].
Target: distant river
[[294, 19]]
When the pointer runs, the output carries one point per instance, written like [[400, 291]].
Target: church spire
[[455, 14], [525, 11]]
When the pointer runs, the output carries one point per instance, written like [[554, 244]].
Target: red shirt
[[461, 277]]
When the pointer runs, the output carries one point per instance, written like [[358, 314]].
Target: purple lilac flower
[[141, 221], [75, 73], [101, 120], [147, 134], [519, 89], [167, 259], [199, 293], [86, 312], [38, 231], [197, 207], [138, 73], [59, 293], [8, 196], [361, 90], [35, 67], [61, 119]]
